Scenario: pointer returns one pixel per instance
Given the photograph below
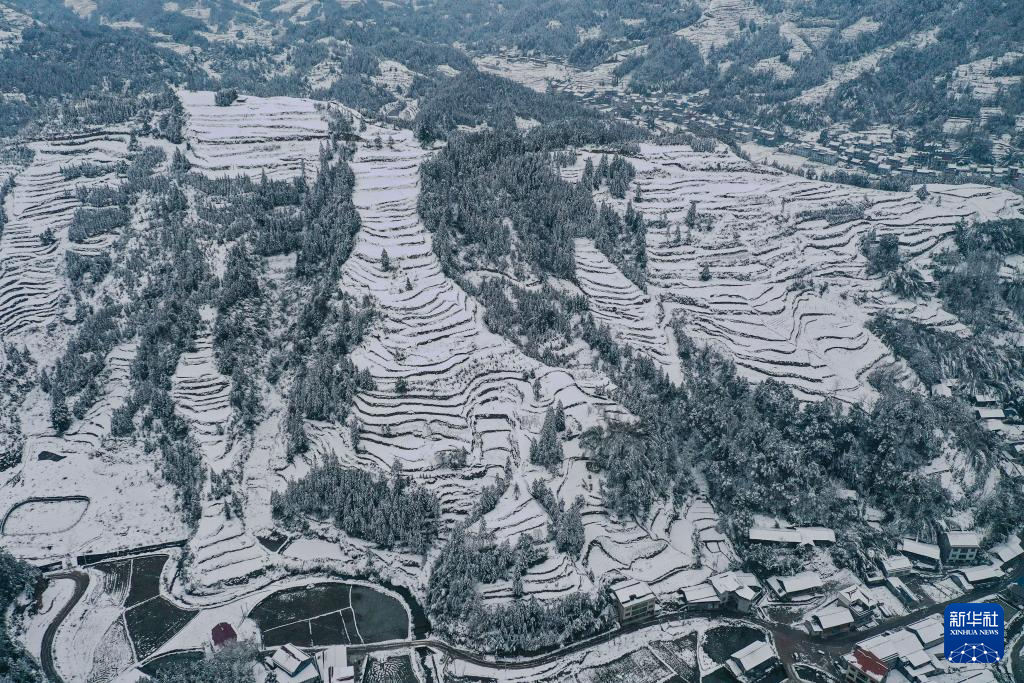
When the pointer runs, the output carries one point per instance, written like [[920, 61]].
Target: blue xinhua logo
[[974, 633]]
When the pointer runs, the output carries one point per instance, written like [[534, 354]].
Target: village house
[[790, 587], [959, 547], [859, 602], [702, 596], [292, 665], [332, 664], [829, 621], [896, 565], [753, 662], [900, 590], [736, 590], [914, 652], [634, 599], [798, 536], [864, 667], [223, 634], [924, 555], [1007, 551], [969, 578]]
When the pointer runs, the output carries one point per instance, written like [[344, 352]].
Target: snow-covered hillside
[[788, 295]]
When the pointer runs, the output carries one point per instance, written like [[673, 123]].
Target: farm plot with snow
[[253, 135], [785, 289]]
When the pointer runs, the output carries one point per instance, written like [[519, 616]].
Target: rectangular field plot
[[305, 602], [296, 633], [391, 670], [330, 629], [681, 657], [116, 578], [379, 617], [637, 667], [153, 623], [145, 581]]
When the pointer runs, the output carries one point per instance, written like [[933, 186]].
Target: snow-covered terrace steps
[[465, 386], [276, 135], [202, 395], [223, 550], [812, 339], [42, 199], [618, 303]]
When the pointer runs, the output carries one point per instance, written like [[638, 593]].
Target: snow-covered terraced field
[[223, 548], [720, 23], [538, 74], [788, 295], [276, 135], [42, 199], [466, 386], [976, 77], [201, 396], [629, 313]]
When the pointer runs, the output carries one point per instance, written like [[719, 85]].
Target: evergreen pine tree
[[59, 415], [691, 215], [547, 449]]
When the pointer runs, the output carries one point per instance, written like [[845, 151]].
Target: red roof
[[869, 663], [223, 633]]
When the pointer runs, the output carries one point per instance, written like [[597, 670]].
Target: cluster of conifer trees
[[391, 512]]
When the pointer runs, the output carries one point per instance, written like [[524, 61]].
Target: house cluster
[[959, 551], [886, 154], [989, 412], [906, 655], [329, 665], [854, 607], [735, 591]]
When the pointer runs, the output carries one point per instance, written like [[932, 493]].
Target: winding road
[[81, 580]]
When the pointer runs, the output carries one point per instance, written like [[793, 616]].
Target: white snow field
[[253, 135], [788, 295], [41, 200]]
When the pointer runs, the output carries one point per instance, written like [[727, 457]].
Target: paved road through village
[[789, 641]]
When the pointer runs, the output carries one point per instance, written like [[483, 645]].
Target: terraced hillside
[[38, 210], [786, 290], [466, 388], [253, 135]]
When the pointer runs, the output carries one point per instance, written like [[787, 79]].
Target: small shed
[[223, 634]]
